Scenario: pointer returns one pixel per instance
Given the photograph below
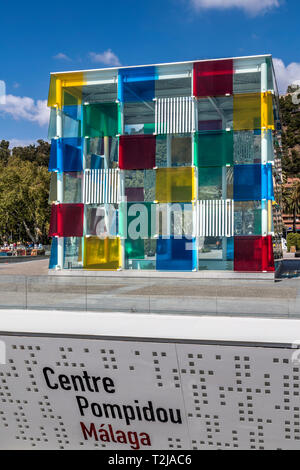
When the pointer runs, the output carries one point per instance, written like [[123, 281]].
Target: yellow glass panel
[[101, 253], [175, 184], [267, 115], [72, 82], [247, 111], [270, 216]]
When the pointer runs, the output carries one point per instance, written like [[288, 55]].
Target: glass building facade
[[167, 167]]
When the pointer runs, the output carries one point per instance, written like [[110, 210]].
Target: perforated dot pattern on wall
[[228, 397]]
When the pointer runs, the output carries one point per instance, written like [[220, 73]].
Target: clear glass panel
[[173, 87], [53, 188], [247, 147], [73, 253], [215, 253], [180, 150], [102, 93], [247, 82], [247, 218], [101, 253], [215, 113], [102, 220], [139, 118], [52, 132], [215, 183], [72, 187], [175, 184], [139, 185], [175, 220], [95, 153]]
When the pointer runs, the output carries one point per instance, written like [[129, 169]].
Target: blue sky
[[41, 37]]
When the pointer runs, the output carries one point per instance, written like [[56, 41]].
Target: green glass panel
[[214, 148], [137, 220], [134, 248], [140, 254], [100, 120]]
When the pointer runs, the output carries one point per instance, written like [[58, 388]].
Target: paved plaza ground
[[28, 285]]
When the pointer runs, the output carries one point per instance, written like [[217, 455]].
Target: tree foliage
[[24, 192], [290, 116]]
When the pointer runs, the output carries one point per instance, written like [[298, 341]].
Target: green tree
[[4, 151], [291, 202], [24, 191]]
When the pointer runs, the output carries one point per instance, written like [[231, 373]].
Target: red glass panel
[[213, 78], [136, 152], [253, 253], [66, 220], [268, 256], [53, 221]]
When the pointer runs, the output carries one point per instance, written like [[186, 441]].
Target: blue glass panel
[[252, 182], [230, 249], [270, 190], [73, 111], [66, 154], [136, 84], [176, 254], [53, 256]]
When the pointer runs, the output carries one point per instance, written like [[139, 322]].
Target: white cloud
[[61, 56], [2, 92], [286, 75], [249, 6], [23, 107], [107, 57]]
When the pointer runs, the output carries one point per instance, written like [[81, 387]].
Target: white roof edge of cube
[[161, 64]]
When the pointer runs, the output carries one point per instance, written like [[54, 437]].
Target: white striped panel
[[101, 186], [174, 115], [215, 218]]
